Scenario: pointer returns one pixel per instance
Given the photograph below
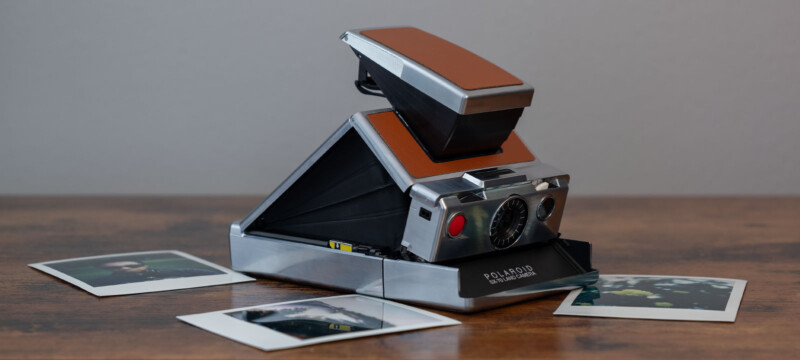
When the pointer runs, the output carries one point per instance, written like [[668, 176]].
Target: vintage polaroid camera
[[435, 201]]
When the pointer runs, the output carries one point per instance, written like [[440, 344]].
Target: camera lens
[[508, 222], [546, 207]]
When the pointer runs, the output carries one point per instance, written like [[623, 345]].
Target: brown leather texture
[[419, 165], [454, 63]]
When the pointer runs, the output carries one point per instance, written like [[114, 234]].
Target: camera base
[[464, 286]]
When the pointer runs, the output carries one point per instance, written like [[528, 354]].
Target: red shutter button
[[456, 225]]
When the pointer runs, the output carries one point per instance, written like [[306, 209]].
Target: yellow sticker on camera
[[338, 245]]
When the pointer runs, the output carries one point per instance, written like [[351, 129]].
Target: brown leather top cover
[[419, 165], [454, 63]]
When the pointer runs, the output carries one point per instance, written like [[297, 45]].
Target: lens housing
[[508, 222]]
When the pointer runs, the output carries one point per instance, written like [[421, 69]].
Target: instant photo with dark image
[[314, 321], [311, 319], [133, 268], [655, 292]]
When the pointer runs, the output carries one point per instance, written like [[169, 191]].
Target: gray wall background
[[213, 97]]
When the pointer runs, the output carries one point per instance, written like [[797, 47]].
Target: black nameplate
[[514, 269]]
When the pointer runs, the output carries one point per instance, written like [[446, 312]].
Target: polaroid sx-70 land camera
[[435, 201]]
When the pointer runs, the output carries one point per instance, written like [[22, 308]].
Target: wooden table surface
[[756, 239]]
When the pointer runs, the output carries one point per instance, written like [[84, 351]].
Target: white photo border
[[228, 276], [260, 337], [728, 315]]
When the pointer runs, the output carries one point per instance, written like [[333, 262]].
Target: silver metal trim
[[315, 265], [434, 85], [504, 179], [428, 284], [429, 240], [415, 282]]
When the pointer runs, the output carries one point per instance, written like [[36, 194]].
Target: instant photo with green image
[[657, 297], [139, 272], [115, 270], [676, 293]]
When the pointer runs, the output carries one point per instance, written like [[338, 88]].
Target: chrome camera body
[[435, 201]]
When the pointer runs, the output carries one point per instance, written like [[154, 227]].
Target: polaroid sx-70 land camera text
[[435, 201]]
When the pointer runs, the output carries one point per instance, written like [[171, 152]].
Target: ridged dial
[[508, 223]]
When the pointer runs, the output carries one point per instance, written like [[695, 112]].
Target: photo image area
[[313, 321], [659, 297], [139, 272], [132, 268]]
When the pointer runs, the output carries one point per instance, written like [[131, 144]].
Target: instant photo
[[657, 297], [306, 322], [139, 272]]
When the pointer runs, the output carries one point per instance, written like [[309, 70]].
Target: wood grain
[[756, 239]]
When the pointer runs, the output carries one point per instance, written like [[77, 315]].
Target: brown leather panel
[[459, 65], [419, 165]]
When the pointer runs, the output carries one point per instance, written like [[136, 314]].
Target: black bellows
[[346, 195]]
